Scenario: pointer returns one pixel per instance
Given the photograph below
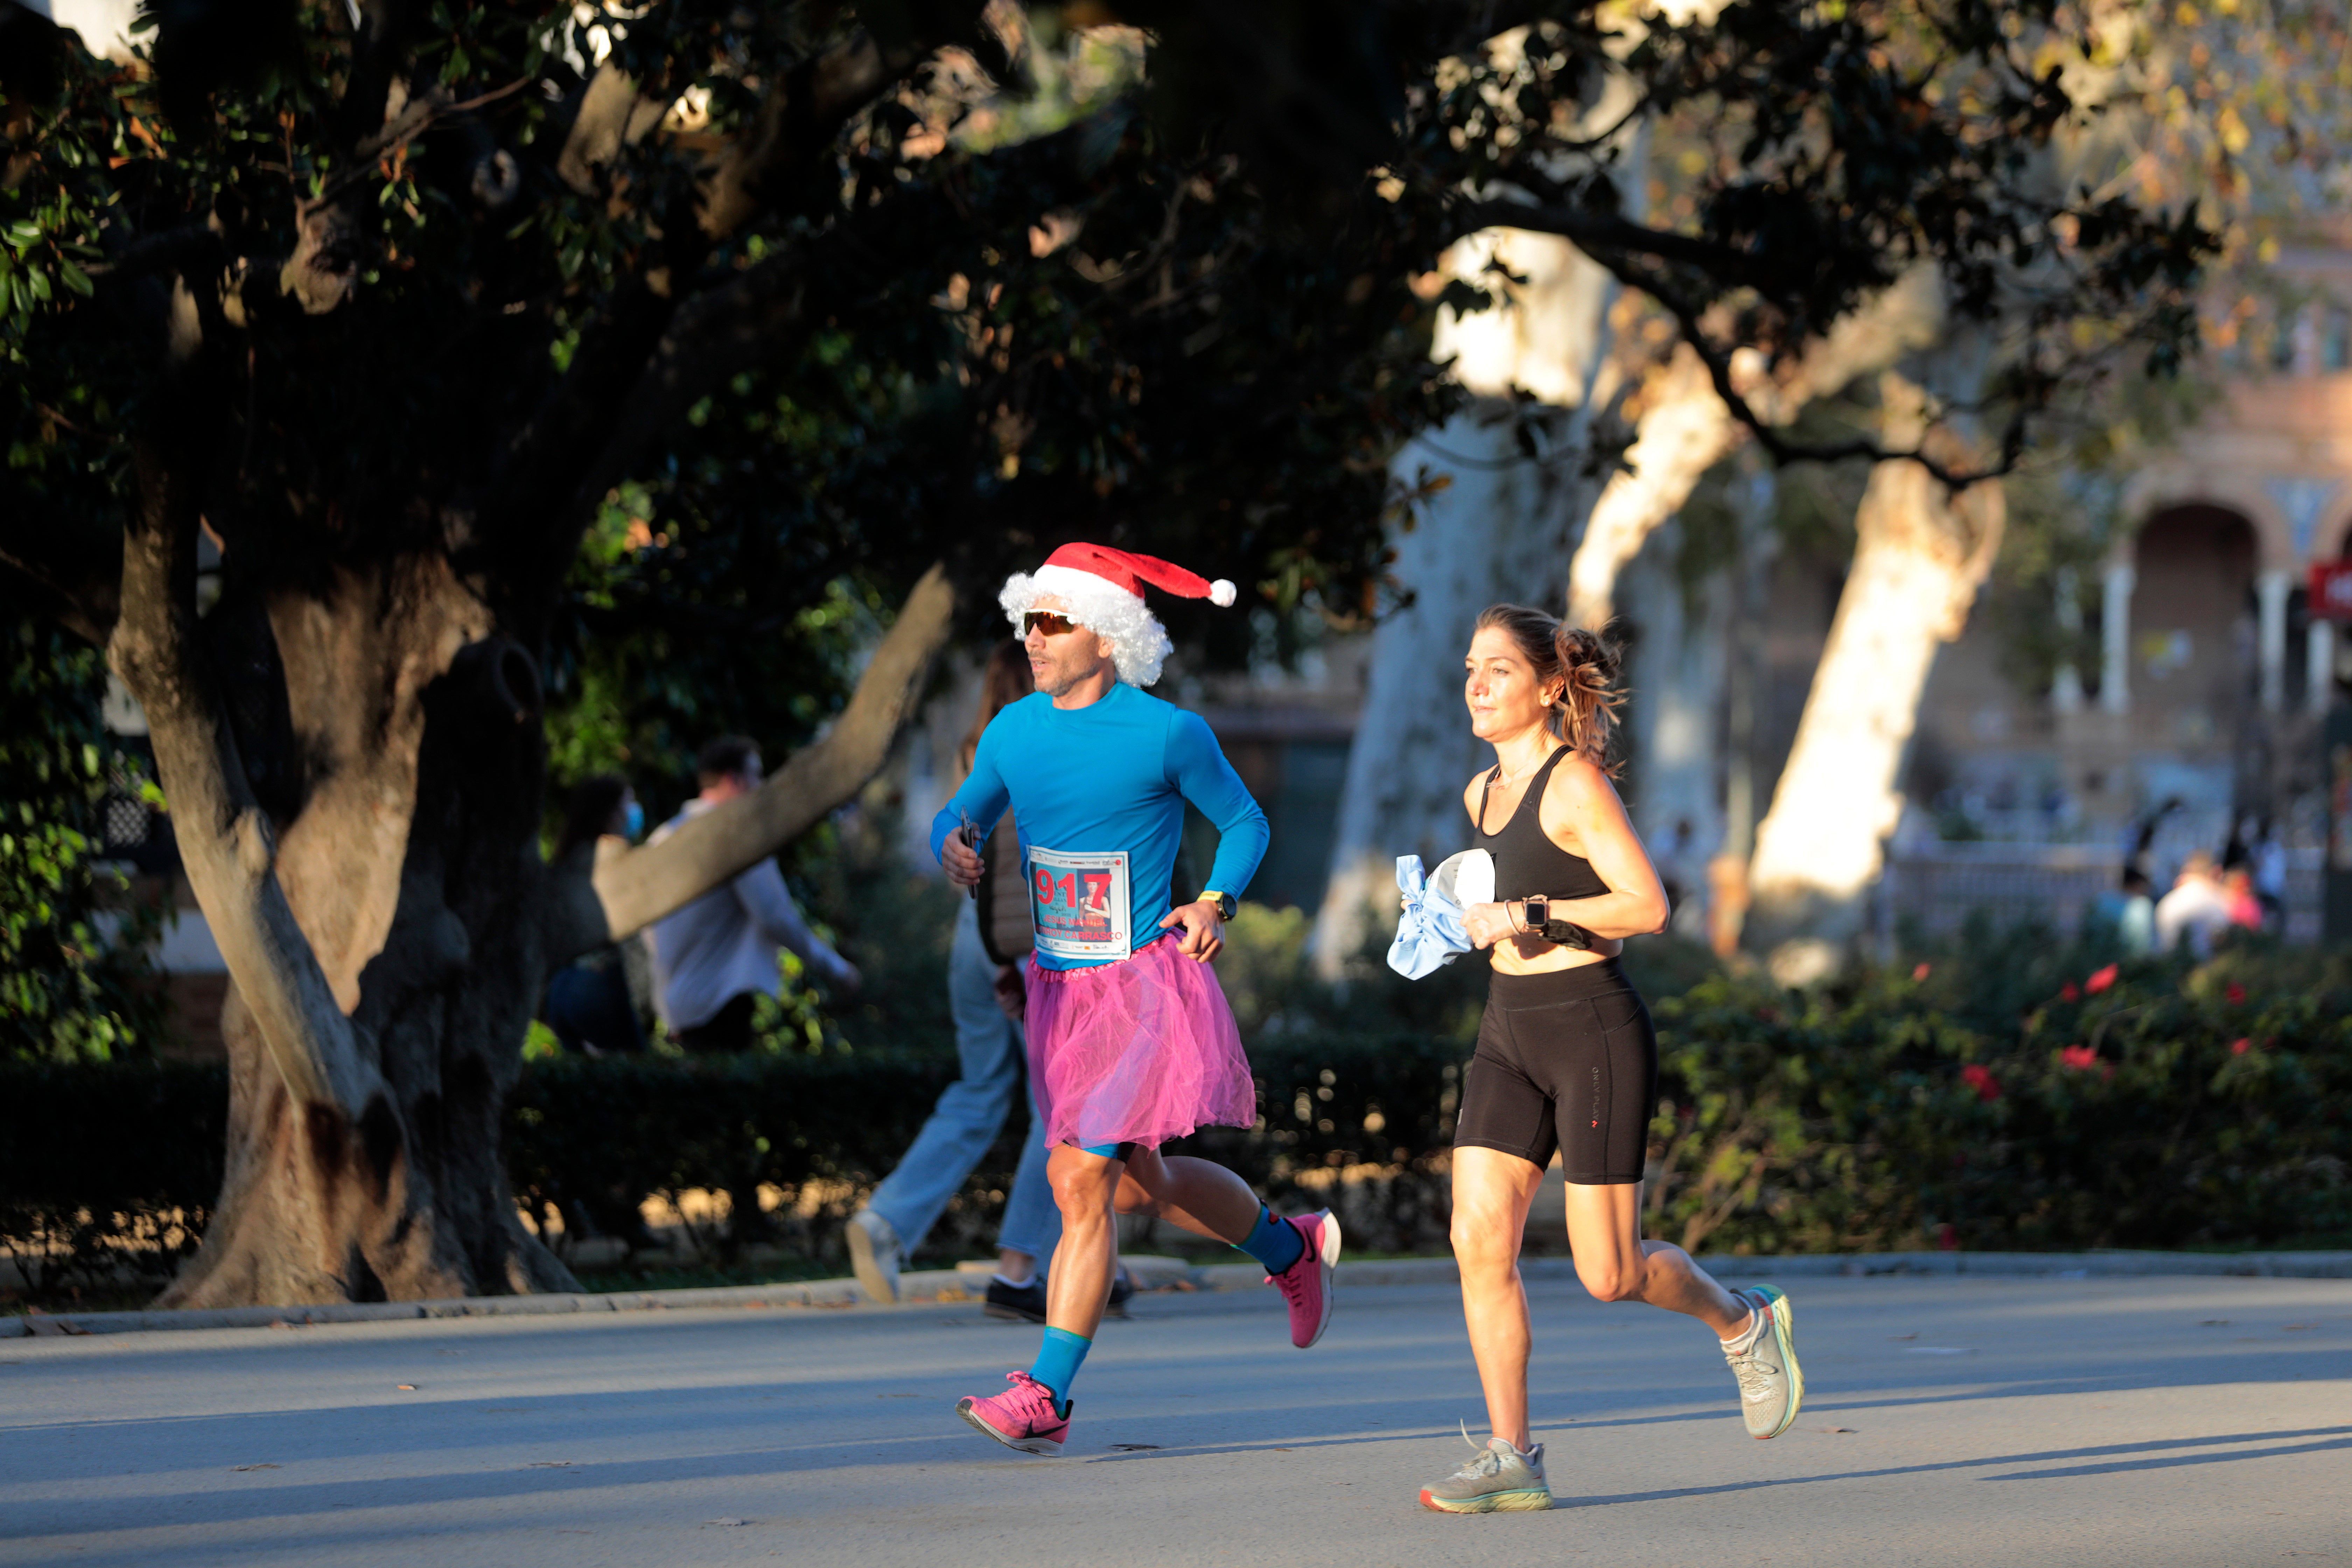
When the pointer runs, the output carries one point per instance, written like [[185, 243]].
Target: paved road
[[2147, 1422]]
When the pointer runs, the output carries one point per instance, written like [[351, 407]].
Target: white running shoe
[[873, 1252], [1771, 1383], [1498, 1478]]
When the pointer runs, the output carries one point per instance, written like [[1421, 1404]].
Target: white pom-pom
[[1221, 592]]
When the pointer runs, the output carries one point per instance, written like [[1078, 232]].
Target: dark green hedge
[[112, 1160], [103, 1155], [2126, 1106], [603, 1134], [2147, 1107]]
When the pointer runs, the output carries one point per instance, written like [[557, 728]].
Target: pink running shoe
[[1306, 1285], [1022, 1416]]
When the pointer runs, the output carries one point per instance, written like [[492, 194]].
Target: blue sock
[[1274, 1243], [1059, 1360]]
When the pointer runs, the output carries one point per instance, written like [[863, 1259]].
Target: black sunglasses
[[1047, 621]]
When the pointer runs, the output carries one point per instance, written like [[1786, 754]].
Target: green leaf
[[74, 277]]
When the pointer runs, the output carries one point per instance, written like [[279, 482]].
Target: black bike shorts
[[1566, 1060]]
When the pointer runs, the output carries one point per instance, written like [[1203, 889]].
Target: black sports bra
[[1527, 861]]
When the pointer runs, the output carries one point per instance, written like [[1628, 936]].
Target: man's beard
[[1059, 675]]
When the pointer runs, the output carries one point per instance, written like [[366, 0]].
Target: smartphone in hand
[[970, 834]]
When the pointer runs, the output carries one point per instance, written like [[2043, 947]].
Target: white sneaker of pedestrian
[[874, 1254]]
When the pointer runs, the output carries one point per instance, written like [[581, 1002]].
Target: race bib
[[1079, 902]]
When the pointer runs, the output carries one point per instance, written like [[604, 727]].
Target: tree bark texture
[[383, 958], [365, 1101], [1920, 557], [368, 858]]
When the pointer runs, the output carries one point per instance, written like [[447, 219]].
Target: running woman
[[1566, 1058], [1130, 1040]]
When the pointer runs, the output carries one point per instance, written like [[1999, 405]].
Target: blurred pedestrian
[[2269, 878], [2128, 913], [992, 939], [717, 957], [594, 1003], [2238, 893], [2195, 909], [589, 1002]]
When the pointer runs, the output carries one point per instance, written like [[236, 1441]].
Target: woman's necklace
[[1503, 778]]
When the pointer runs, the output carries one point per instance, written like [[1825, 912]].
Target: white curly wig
[[1139, 643]]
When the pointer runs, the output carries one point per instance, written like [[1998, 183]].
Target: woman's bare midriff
[[1548, 958]]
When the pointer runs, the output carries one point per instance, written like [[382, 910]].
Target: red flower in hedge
[[1921, 972], [2068, 992], [1980, 1077], [2100, 980], [2239, 1047], [2079, 1056], [2234, 992]]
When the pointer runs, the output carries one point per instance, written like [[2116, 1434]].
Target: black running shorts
[[1566, 1060]]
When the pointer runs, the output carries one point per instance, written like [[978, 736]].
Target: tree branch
[[78, 579], [799, 119], [1618, 246], [710, 338], [652, 360], [1596, 232], [612, 115], [169, 250], [226, 842], [632, 890]]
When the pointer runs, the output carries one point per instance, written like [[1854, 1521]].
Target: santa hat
[[1104, 590]]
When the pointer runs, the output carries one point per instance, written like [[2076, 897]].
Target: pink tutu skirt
[[1140, 1051]]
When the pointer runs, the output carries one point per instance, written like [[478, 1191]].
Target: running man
[[1130, 1041], [1566, 1058]]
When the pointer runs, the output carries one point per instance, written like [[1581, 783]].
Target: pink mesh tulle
[[1139, 1051]]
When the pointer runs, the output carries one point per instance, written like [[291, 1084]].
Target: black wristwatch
[[1226, 905]]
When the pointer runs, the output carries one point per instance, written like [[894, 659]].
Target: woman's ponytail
[[1590, 696]]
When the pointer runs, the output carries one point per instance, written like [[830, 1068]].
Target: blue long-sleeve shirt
[[1112, 775]]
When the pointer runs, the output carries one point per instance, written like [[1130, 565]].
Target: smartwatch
[[1539, 912], [1226, 905]]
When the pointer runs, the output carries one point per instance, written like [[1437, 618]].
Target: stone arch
[[2154, 492]]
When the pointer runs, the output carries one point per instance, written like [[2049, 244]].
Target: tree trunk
[[368, 856], [411, 741], [1676, 670], [1684, 430], [1497, 531], [1920, 555]]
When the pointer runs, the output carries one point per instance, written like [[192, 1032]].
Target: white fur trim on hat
[[1221, 593], [1139, 643]]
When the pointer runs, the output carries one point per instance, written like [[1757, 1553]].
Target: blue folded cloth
[[1430, 933]]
